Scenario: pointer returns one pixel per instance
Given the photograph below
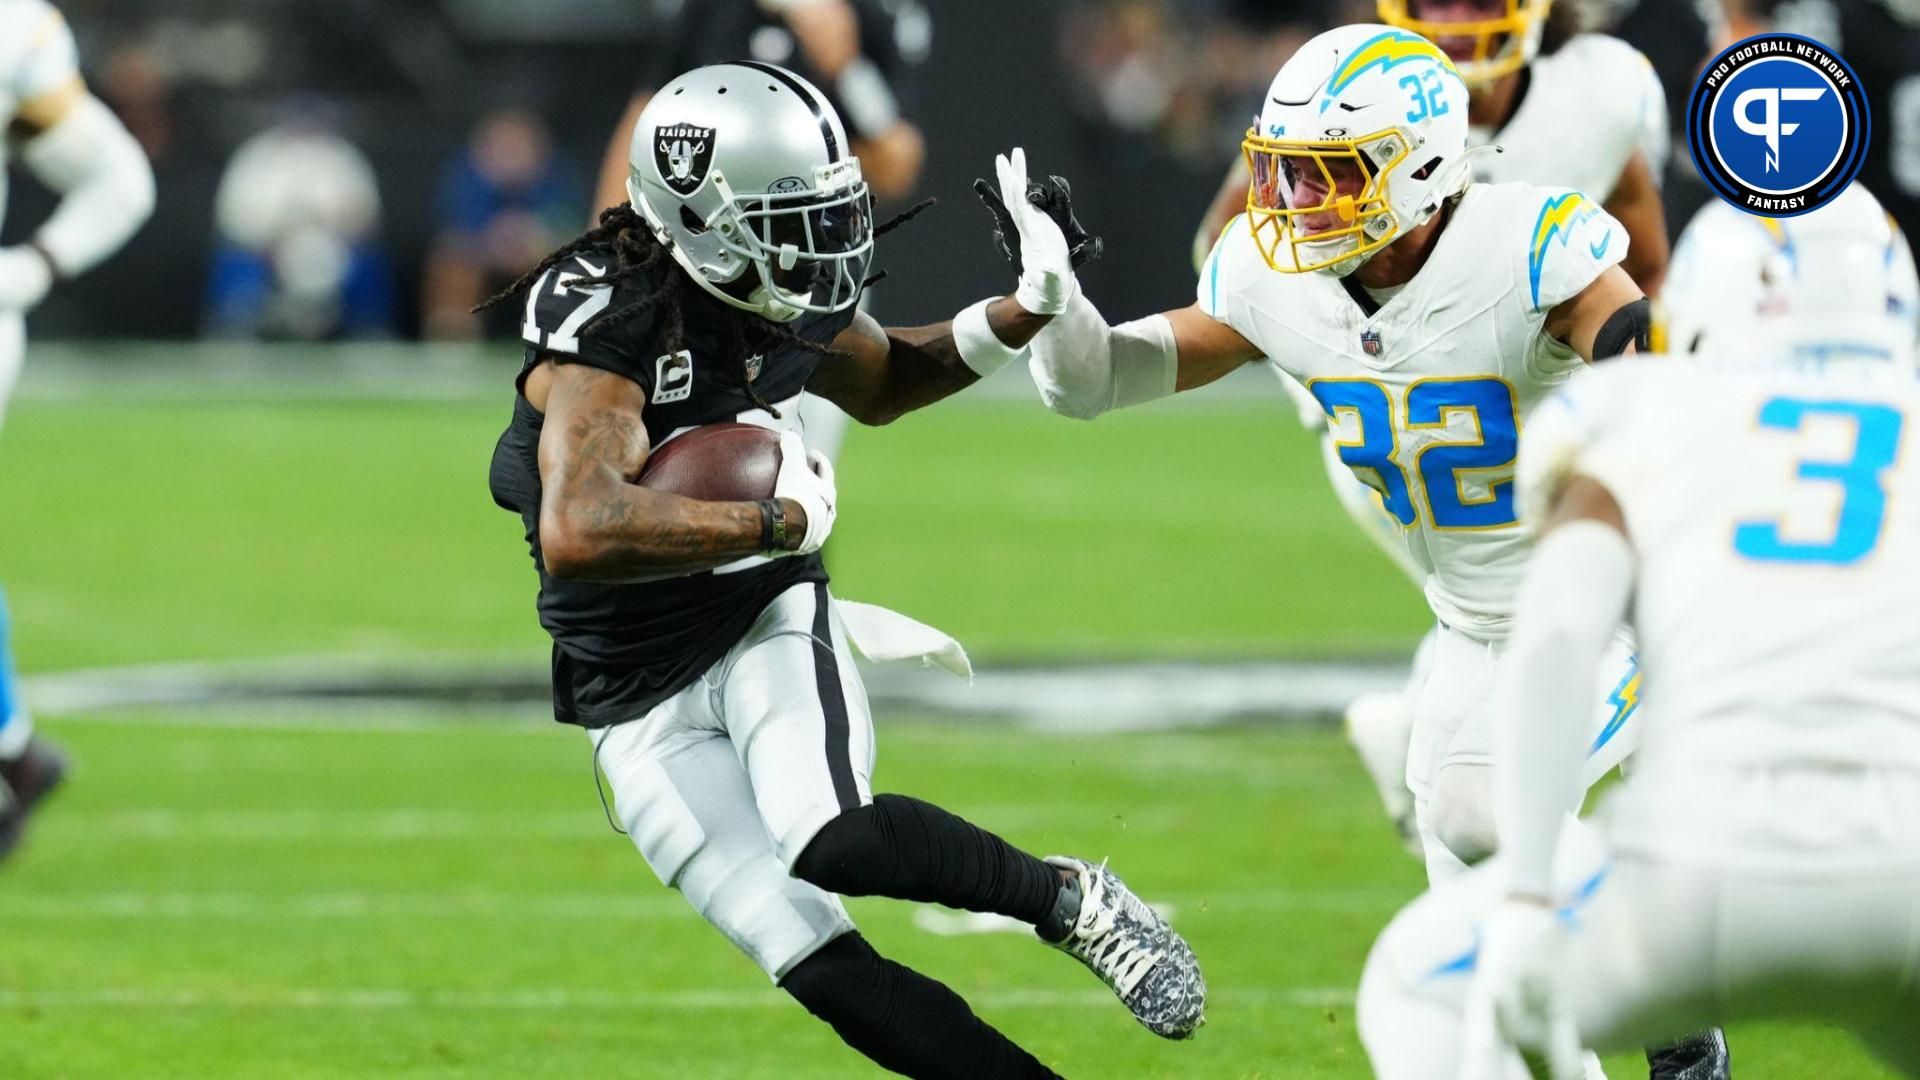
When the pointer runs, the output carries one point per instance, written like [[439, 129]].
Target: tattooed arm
[[596, 524], [885, 373]]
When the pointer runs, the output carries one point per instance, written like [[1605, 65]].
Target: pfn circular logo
[[1778, 125]]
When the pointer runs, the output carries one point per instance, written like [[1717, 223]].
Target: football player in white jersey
[[1755, 513], [74, 145], [1563, 108], [1557, 108], [1426, 314]]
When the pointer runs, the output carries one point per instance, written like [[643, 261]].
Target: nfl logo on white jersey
[[1370, 342]]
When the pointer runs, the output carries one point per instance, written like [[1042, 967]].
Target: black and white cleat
[[1700, 1056], [1133, 950]]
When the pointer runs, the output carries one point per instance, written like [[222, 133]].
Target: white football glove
[[806, 477], [1516, 1007], [25, 277], [1046, 266]]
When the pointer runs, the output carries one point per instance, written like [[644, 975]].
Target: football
[[716, 462]]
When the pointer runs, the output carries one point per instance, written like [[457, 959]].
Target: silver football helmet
[[745, 168]]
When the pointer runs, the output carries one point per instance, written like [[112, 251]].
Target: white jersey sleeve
[[1656, 140], [1233, 270], [37, 53], [1573, 241], [1627, 107]]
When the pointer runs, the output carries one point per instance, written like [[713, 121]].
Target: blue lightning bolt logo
[[1624, 699]]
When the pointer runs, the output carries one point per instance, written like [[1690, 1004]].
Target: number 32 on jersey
[[1443, 465]]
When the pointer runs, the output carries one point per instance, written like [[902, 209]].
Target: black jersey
[[619, 650]]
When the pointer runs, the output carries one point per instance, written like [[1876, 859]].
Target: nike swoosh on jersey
[[1600, 249]]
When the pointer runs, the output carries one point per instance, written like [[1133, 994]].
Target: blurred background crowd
[[345, 169]]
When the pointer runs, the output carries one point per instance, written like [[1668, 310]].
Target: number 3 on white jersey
[[1863, 500]]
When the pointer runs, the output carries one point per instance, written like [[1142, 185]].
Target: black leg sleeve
[[910, 850], [902, 1020]]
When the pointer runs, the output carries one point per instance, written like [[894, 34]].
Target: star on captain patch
[[1370, 342]]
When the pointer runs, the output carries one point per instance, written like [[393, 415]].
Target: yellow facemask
[[1503, 44], [1364, 216]]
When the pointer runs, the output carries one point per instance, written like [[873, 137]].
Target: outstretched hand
[[1037, 231]]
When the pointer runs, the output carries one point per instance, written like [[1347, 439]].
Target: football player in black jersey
[[697, 641]]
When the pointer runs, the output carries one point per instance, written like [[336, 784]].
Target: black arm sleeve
[[1631, 325]]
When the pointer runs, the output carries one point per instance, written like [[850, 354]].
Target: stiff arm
[[1085, 367]]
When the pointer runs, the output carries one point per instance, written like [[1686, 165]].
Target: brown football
[[716, 462]]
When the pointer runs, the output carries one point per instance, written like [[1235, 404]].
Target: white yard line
[[369, 999], [508, 693]]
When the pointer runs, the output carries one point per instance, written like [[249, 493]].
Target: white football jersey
[[1775, 514], [37, 57], [1425, 394], [1587, 109]]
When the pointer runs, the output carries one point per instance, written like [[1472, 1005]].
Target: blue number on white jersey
[[1432, 403], [1373, 412], [1863, 504], [1429, 404]]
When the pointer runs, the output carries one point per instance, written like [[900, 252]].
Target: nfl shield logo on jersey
[[1370, 342], [683, 153]]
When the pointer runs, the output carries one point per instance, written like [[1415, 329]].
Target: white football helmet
[[1363, 137], [745, 167], [1499, 37], [1837, 282]]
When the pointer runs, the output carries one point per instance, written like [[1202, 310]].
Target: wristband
[[773, 525], [980, 347], [1045, 298]]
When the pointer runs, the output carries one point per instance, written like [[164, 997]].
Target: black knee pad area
[[837, 982], [850, 855]]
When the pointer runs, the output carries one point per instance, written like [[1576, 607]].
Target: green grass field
[[309, 892]]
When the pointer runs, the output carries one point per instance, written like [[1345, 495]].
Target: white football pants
[[723, 785], [1667, 942], [1450, 761]]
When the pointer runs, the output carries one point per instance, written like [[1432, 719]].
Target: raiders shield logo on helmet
[[683, 153]]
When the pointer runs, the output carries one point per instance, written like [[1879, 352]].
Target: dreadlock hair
[[639, 254]]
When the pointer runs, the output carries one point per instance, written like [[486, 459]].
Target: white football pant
[[1795, 895], [1450, 761], [723, 785]]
